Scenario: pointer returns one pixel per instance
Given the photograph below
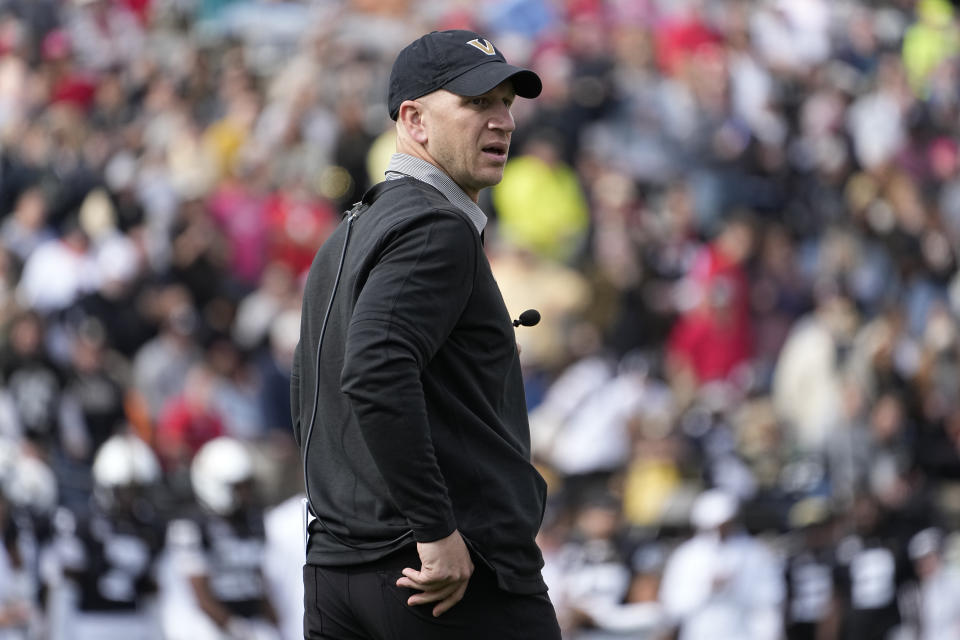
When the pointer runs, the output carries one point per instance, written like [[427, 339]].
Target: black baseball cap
[[459, 61]]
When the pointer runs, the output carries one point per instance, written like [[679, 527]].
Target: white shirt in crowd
[[723, 589]]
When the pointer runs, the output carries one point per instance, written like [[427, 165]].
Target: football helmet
[[124, 460], [218, 467], [31, 484]]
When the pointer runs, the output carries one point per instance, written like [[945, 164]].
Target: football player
[[110, 553], [218, 554]]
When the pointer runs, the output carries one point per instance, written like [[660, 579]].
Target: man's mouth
[[496, 150]]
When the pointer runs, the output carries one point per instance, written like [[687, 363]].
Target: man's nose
[[503, 120]]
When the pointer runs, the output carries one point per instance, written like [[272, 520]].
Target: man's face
[[469, 137]]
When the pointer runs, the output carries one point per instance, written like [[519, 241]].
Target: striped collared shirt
[[402, 165]]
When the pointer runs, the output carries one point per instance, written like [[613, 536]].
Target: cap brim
[[485, 77], [713, 508]]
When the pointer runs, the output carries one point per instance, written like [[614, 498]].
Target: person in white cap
[[722, 584], [939, 588]]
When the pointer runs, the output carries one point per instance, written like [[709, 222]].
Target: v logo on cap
[[483, 45]]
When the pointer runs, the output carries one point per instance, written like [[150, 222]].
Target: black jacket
[[421, 421]]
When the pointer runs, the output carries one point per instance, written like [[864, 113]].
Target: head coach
[[407, 398]]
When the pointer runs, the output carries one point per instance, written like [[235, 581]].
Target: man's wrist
[[435, 532]]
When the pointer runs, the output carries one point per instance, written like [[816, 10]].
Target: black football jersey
[[231, 550], [869, 576], [810, 585], [111, 560]]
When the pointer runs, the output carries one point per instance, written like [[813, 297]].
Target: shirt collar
[[402, 164]]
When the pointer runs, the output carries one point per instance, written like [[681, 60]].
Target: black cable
[[359, 208]]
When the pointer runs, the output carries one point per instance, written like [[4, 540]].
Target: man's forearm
[[387, 398]]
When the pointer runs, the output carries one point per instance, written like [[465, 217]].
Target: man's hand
[[445, 569]]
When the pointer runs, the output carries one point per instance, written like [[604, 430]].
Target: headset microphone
[[528, 318]]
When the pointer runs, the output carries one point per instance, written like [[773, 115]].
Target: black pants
[[363, 602]]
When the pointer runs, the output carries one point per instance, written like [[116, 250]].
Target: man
[[217, 589], [722, 584], [809, 567], [110, 551], [407, 397], [870, 575], [938, 583]]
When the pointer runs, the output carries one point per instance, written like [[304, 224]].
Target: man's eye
[[479, 102]]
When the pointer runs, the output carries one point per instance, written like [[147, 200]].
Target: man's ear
[[411, 117]]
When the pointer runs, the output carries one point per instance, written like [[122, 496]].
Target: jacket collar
[[402, 165]]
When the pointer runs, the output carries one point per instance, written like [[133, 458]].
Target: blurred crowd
[[739, 220]]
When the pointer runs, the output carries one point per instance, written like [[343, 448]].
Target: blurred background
[[739, 219]]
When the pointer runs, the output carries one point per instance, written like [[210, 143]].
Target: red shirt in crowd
[[714, 337], [296, 227], [184, 427]]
